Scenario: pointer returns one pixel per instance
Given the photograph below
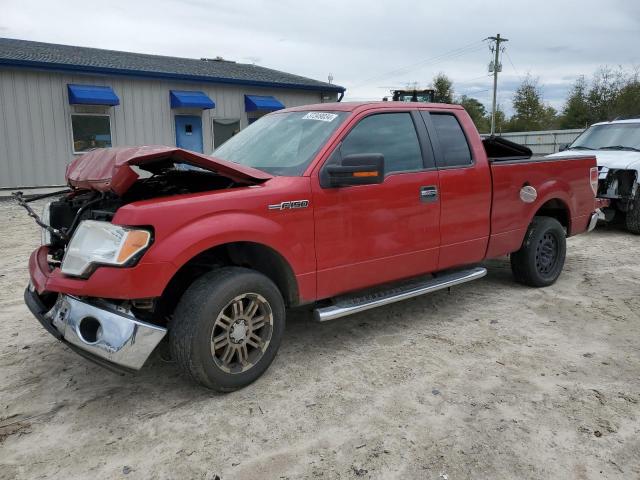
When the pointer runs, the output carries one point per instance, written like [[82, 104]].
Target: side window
[[454, 149], [391, 134], [90, 131]]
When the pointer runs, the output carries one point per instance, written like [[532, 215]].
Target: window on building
[[90, 131], [223, 130], [391, 134], [257, 115], [454, 148]]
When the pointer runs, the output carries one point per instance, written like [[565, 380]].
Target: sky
[[368, 47]]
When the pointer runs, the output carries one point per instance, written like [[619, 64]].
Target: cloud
[[368, 47]]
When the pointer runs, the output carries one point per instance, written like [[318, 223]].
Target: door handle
[[429, 193]]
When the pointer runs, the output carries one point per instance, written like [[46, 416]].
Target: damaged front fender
[[617, 184]]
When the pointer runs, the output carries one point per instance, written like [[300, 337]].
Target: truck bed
[[510, 215]]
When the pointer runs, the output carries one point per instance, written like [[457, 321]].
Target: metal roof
[[50, 56]]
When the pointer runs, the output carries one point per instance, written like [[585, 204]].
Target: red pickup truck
[[343, 206]]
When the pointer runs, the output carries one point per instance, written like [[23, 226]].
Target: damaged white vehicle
[[616, 146]]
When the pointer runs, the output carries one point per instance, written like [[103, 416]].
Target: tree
[[476, 111], [443, 89], [602, 95], [611, 94], [530, 111], [627, 102], [576, 112], [549, 119], [608, 95], [502, 123]]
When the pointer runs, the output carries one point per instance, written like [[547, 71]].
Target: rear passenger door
[[465, 190], [371, 234]]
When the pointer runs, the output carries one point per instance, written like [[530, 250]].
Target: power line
[[466, 80], [512, 65], [457, 52], [473, 92], [468, 91], [408, 68]]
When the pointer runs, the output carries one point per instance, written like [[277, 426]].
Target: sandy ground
[[493, 380]]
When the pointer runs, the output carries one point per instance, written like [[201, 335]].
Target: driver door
[[370, 234]]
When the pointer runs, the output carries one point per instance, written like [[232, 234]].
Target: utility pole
[[497, 67]]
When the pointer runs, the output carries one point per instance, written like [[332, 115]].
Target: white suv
[[616, 146]]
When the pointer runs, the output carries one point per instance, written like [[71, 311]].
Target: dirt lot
[[493, 380]]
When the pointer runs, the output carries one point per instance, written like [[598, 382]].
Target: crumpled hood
[[109, 169], [612, 159]]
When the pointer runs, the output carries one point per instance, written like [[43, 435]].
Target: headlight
[[102, 243], [46, 219]]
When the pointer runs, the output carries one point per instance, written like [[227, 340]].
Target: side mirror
[[355, 169], [563, 147]]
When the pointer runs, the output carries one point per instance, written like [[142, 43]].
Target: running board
[[352, 305]]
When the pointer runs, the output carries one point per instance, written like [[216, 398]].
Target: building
[[57, 101]]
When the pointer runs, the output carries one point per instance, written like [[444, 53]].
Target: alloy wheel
[[241, 333]]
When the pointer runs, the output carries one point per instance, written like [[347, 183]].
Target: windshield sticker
[[322, 116]]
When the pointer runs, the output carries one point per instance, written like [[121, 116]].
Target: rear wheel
[[227, 328], [633, 215], [540, 260]]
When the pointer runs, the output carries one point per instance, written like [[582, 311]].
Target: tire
[[214, 336], [633, 215], [539, 261]]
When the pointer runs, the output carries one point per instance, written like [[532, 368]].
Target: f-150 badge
[[291, 204]]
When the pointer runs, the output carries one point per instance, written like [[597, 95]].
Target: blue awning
[[257, 102], [187, 99], [92, 95]]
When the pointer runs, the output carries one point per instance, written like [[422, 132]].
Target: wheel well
[[242, 254], [557, 209]]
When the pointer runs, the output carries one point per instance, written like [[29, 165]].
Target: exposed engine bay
[[106, 179], [620, 186], [63, 216], [616, 183]]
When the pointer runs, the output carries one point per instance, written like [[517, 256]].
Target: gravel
[[492, 380]]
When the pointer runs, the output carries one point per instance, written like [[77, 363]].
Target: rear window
[[454, 149]]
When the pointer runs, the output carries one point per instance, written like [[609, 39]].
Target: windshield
[[281, 143], [621, 136]]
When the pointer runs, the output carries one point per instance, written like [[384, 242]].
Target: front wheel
[[227, 328], [539, 261], [633, 215]]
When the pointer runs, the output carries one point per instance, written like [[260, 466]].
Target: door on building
[[189, 132]]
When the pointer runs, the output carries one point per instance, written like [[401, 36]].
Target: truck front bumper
[[101, 332], [593, 221]]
